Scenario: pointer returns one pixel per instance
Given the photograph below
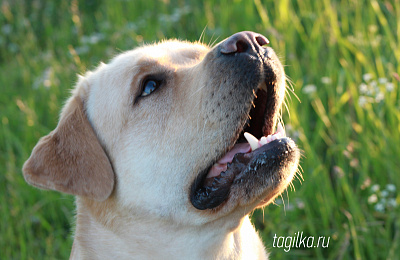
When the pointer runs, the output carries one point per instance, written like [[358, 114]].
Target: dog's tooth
[[263, 140], [269, 138], [252, 140], [281, 130]]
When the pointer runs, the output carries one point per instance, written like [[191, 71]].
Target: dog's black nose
[[243, 42]]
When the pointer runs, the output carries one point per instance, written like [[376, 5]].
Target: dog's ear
[[70, 159]]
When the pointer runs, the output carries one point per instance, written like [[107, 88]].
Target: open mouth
[[258, 151]]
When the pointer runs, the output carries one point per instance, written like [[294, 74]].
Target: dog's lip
[[214, 191]]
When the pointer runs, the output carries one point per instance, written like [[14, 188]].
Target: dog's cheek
[[147, 179]]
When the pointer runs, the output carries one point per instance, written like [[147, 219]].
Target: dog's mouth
[[259, 160]]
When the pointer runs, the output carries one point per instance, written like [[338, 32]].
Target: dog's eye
[[149, 86]]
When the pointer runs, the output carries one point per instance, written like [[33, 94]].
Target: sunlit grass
[[342, 57]]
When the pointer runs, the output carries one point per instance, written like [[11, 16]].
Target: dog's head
[[159, 131]]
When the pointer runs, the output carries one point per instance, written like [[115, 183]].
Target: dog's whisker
[[287, 95], [209, 42], [298, 177], [283, 202], [287, 195], [263, 215], [290, 82], [293, 187], [197, 91], [202, 35], [299, 174], [213, 43], [290, 88], [287, 108]]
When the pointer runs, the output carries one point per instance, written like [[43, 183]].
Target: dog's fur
[[132, 161]]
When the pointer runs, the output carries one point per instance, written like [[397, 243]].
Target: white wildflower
[[309, 89], [47, 75], [326, 80], [92, 39], [289, 207], [363, 88], [95, 38], [374, 84], [362, 101], [379, 97], [391, 187], [375, 188], [389, 86], [300, 204], [384, 193], [379, 207], [392, 203], [367, 77], [372, 199], [382, 80]]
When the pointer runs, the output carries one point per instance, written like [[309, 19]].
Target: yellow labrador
[[153, 146]]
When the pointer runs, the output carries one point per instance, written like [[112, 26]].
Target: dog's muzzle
[[258, 163]]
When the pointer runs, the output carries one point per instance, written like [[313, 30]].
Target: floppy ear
[[70, 159]]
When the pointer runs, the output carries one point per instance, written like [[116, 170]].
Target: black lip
[[208, 197], [258, 165]]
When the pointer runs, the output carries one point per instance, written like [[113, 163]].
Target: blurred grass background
[[341, 56]]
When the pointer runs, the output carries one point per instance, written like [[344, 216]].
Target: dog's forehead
[[174, 52]]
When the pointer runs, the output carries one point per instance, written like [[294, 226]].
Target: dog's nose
[[243, 42]]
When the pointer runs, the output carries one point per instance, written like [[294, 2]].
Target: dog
[[153, 146]]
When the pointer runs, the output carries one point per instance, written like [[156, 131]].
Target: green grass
[[341, 56]]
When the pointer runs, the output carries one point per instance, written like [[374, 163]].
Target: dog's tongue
[[221, 165], [238, 148]]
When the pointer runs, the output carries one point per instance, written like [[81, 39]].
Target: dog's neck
[[123, 238]]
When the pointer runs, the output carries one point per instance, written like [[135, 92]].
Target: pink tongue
[[238, 148], [220, 166]]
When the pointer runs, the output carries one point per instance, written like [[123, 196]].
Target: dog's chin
[[251, 177]]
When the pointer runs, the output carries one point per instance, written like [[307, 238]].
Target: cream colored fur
[[131, 162]]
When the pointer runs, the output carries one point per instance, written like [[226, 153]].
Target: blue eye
[[149, 86]]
